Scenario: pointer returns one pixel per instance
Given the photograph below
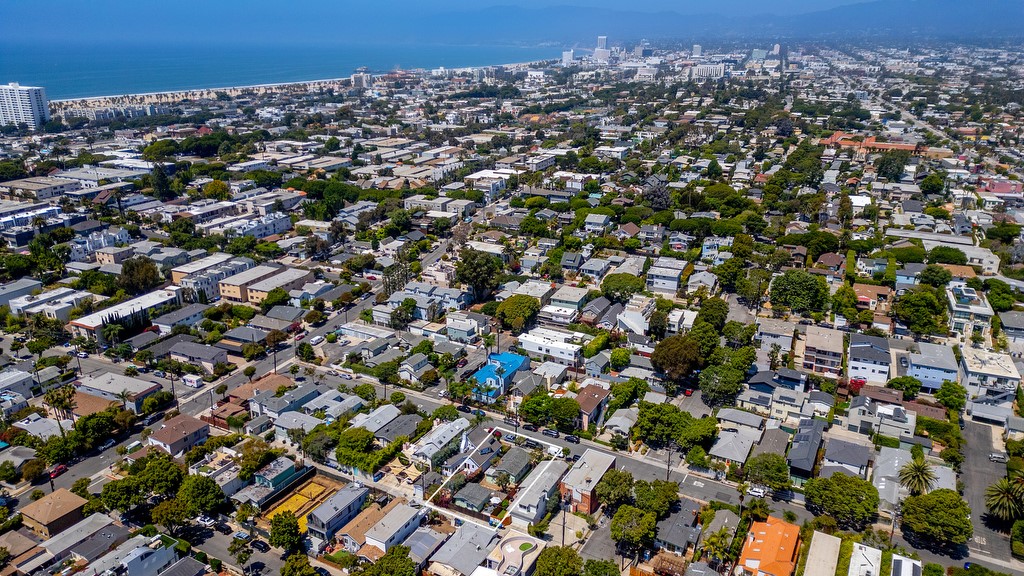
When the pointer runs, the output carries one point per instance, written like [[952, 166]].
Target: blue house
[[495, 376]]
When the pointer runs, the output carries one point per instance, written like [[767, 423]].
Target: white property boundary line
[[501, 522]]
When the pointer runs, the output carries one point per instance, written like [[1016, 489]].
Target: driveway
[[216, 544], [693, 404], [600, 545], [978, 473], [738, 312]]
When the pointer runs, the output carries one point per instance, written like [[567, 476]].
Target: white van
[[316, 340]]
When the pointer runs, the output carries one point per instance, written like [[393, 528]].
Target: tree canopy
[[800, 291], [938, 516], [621, 287], [852, 501], [478, 270]]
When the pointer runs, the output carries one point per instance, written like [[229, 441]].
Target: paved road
[[977, 474]]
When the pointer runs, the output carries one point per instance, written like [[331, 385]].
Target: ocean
[[80, 71]]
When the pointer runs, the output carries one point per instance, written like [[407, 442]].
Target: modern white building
[[24, 104], [868, 359], [562, 347], [91, 326], [986, 373]]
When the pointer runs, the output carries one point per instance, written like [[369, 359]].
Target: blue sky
[[308, 21]]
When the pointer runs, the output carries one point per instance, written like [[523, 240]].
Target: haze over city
[[512, 288]]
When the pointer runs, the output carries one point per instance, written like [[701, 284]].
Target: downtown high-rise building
[[23, 105], [697, 50], [602, 42], [567, 57]]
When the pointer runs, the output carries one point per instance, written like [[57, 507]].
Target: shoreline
[[170, 95]]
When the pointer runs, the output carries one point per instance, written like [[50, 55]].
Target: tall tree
[[852, 501], [1004, 499], [940, 516], [768, 469], [284, 531], [478, 270], [632, 528], [615, 488], [677, 357], [558, 561], [917, 476]]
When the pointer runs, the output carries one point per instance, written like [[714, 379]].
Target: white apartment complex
[[23, 104], [562, 347]]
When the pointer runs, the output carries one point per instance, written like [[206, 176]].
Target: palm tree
[[716, 546], [758, 509], [124, 396], [917, 476], [1003, 499], [111, 332], [62, 402]]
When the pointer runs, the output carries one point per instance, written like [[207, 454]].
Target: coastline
[[170, 96]]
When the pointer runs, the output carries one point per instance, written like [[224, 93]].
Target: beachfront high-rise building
[[362, 80], [696, 52], [23, 104], [602, 42], [567, 57]]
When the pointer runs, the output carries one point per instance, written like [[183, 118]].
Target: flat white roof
[[278, 280], [249, 275], [202, 263], [144, 302]]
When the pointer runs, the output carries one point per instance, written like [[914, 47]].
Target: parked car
[[511, 421], [461, 363], [205, 521], [240, 535], [478, 412], [261, 546], [316, 340], [442, 393], [58, 470], [464, 408], [529, 427], [573, 439], [757, 491], [531, 444], [551, 432], [222, 528], [153, 419], [83, 354], [299, 336], [688, 392], [346, 376], [159, 373], [997, 457], [107, 445]]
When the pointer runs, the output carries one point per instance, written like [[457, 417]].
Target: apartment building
[[868, 359], [557, 345], [91, 326], [823, 351], [986, 373], [287, 280], [24, 104], [969, 312], [235, 288]]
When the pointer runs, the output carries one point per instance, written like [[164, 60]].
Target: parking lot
[[216, 544], [977, 474]]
